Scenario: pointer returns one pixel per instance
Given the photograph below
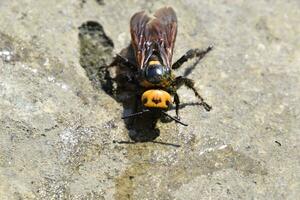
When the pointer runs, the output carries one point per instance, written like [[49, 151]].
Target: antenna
[[135, 114], [144, 111], [176, 120]]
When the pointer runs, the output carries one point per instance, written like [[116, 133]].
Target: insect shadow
[[96, 51]]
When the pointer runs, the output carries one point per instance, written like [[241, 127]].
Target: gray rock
[[59, 130]]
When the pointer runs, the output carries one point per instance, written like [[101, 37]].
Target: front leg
[[190, 84], [191, 54]]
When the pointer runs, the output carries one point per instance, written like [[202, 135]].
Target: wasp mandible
[[153, 40]]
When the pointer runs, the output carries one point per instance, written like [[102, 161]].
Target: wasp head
[[156, 99]]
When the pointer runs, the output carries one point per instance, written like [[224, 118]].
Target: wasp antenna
[[135, 114], [176, 120]]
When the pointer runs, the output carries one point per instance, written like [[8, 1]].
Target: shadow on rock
[[96, 51]]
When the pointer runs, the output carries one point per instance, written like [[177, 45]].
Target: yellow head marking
[[156, 99]]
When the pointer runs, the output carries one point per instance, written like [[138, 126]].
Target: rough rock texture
[[58, 129]]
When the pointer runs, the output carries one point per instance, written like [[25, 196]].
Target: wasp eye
[[167, 102], [145, 100]]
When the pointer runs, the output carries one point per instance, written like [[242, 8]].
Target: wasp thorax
[[155, 73]]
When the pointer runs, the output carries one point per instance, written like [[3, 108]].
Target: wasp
[[153, 40]]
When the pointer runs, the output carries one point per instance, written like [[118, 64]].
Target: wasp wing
[[138, 25], [163, 30], [158, 33]]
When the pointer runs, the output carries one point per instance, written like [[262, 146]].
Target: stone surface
[[58, 129]]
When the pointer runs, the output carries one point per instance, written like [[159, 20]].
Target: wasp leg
[[134, 107], [190, 84], [177, 103], [119, 59], [191, 54]]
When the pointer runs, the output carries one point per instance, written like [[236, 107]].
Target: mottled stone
[[62, 136]]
